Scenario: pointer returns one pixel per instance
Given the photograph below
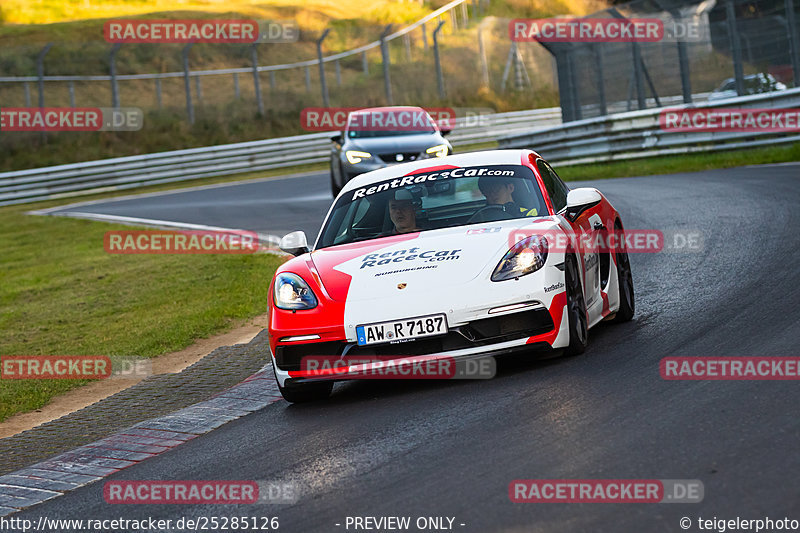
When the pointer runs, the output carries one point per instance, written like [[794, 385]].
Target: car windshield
[[433, 198], [389, 123]]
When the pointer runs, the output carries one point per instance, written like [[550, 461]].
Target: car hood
[[422, 261], [401, 143]]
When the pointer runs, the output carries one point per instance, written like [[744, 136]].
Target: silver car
[[381, 136], [753, 84]]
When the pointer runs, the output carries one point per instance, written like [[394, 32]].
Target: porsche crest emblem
[[401, 286]]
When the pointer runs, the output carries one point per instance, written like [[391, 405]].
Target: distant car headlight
[[525, 257], [440, 150], [354, 156], [292, 293]]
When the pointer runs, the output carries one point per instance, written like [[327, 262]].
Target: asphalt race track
[[452, 448]]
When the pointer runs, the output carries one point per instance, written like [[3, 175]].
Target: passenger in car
[[498, 191]]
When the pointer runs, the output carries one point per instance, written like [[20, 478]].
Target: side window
[[556, 188]]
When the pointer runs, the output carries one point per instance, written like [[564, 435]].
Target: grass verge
[[62, 294]]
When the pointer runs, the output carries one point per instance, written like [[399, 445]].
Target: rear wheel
[[576, 308], [305, 392], [626, 299]]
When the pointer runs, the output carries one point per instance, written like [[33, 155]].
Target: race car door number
[[401, 330]]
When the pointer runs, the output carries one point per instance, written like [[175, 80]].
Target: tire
[[305, 392], [576, 308], [627, 304]]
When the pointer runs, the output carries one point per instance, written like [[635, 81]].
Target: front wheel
[[305, 392], [576, 308]]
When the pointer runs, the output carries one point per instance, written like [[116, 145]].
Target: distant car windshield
[[389, 123], [366, 134], [429, 199]]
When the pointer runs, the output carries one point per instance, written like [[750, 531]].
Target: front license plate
[[401, 330]]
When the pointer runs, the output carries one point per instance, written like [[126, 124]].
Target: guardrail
[[638, 134], [627, 135], [137, 171]]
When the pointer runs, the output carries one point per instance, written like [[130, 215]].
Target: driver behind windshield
[[498, 191], [403, 213]]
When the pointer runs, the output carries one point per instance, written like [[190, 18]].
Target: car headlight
[[354, 156], [292, 293], [525, 257], [440, 150]]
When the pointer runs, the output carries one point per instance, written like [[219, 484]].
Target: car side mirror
[[579, 200], [337, 138], [294, 243]]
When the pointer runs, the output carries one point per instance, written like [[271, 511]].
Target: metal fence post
[[686, 80], [113, 66], [437, 61], [338, 73], [187, 82], [424, 37], [601, 89], [793, 41], [272, 80], [40, 71], [158, 92], [736, 50], [407, 44], [72, 94], [256, 78], [484, 64], [385, 60], [308, 79], [511, 52], [637, 76], [323, 85], [199, 89]]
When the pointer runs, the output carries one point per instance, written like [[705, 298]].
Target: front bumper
[[533, 329]]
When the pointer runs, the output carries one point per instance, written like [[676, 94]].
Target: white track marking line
[[271, 240], [50, 210]]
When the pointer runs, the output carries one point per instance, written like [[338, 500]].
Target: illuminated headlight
[[440, 150], [354, 156], [525, 257], [292, 293]]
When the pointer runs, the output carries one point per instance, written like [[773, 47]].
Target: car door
[[586, 227]]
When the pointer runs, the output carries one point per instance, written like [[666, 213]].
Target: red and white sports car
[[469, 255]]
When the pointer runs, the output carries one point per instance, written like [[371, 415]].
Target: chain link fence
[[730, 47]]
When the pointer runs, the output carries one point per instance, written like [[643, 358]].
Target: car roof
[[386, 109], [487, 157]]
